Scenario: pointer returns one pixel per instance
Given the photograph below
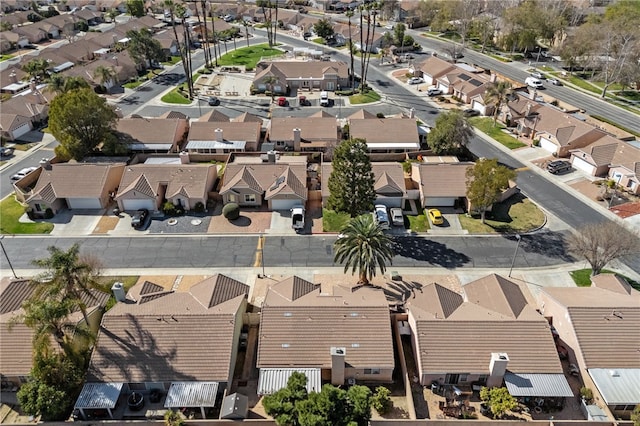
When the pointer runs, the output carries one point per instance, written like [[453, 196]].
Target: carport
[[273, 379], [192, 394], [98, 396]]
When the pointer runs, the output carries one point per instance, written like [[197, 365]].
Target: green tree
[[143, 48], [173, 418], [48, 319], [105, 74], [135, 8], [363, 247], [498, 94], [635, 416], [36, 69], [323, 28], [281, 405], [37, 398], [499, 400], [485, 182], [381, 400], [399, 32], [601, 243], [351, 180], [60, 84], [360, 402], [80, 120], [450, 134], [111, 14]]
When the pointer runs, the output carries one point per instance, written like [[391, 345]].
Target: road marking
[[258, 262]]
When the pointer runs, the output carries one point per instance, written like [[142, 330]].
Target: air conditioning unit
[[351, 381]]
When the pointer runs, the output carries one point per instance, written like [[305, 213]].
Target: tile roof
[[388, 179], [309, 69], [231, 131], [443, 179], [273, 179], [299, 332], [213, 116], [435, 67], [247, 117], [565, 128], [147, 179], [612, 282], [174, 337], [361, 114], [501, 295], [311, 128], [385, 130], [75, 180], [152, 130]]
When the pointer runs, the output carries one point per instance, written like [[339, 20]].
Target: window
[[280, 143], [371, 371], [249, 198], [329, 85], [463, 377], [38, 208], [233, 198]]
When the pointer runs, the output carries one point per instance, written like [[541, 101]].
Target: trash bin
[[434, 386]]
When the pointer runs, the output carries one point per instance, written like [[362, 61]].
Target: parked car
[[213, 101], [303, 101], [324, 99], [558, 166], [434, 91], [306, 35], [22, 173], [282, 101], [415, 80], [6, 151], [139, 218], [534, 82], [554, 81], [297, 218], [435, 216], [537, 74], [470, 112], [381, 217], [396, 216]]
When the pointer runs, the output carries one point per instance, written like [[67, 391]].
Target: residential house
[[517, 107], [557, 131], [595, 159], [13, 126], [21, 17], [433, 68], [386, 134], [167, 40], [300, 75], [33, 32], [78, 52], [59, 25], [599, 325], [441, 184], [182, 343], [153, 134], [33, 105], [464, 82], [91, 17], [389, 183], [371, 44], [303, 134], [10, 40], [16, 351], [149, 186], [281, 181], [223, 137], [74, 186], [324, 332], [488, 335], [106, 5]]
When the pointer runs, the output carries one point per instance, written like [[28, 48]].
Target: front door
[[451, 379]]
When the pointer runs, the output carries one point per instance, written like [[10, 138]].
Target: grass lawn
[[582, 278], [10, 212], [517, 214], [173, 97], [364, 98], [248, 56], [629, 94], [23, 146], [133, 84], [319, 40], [500, 58], [583, 84], [174, 60], [485, 125], [419, 223], [333, 221], [5, 57], [106, 283]]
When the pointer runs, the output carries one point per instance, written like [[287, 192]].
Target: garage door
[[440, 201], [131, 205], [389, 201], [83, 203], [580, 164], [478, 106], [547, 145], [285, 204], [21, 130]]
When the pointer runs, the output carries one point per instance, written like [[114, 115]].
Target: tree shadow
[[549, 243], [243, 221], [431, 252]]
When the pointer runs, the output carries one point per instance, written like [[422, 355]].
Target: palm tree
[[36, 68], [68, 277], [177, 10], [105, 74], [270, 81], [349, 14], [56, 83], [246, 30], [363, 247], [498, 93]]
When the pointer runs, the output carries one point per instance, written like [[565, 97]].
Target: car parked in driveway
[[396, 216], [435, 216], [470, 112], [6, 151], [415, 80], [434, 91], [558, 166], [139, 218], [381, 217], [282, 101]]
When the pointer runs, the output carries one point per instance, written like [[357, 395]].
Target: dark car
[[470, 112], [139, 218], [213, 101], [558, 166], [303, 101]]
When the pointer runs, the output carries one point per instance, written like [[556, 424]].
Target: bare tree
[[600, 243]]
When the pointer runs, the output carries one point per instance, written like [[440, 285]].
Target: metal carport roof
[[273, 379], [543, 385], [192, 394], [618, 386], [99, 395]]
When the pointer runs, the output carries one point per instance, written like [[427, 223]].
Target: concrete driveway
[[75, 222], [451, 225]]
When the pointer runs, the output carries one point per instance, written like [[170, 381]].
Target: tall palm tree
[[270, 81], [363, 247], [68, 277], [36, 69], [177, 10], [498, 93], [104, 74], [246, 30], [349, 14], [216, 50], [56, 84]]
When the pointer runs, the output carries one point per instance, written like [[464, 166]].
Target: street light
[[7, 257], [513, 261], [262, 254]]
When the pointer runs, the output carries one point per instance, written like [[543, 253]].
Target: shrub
[[380, 115], [586, 394], [48, 213], [381, 400], [169, 209], [231, 211], [536, 142], [199, 207], [344, 92]]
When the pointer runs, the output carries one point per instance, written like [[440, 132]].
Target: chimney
[[492, 78], [184, 157], [296, 140], [118, 292], [337, 366], [271, 156], [45, 164], [218, 133], [528, 113], [32, 85], [13, 76], [497, 368]]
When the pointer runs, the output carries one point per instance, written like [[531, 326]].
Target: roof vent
[[285, 345], [614, 373]]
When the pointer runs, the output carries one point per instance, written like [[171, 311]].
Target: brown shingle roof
[[385, 130], [246, 117], [213, 116], [170, 338], [264, 177], [436, 67], [311, 128], [564, 127], [444, 179], [147, 178], [231, 131], [499, 294], [300, 332], [309, 69], [151, 130]]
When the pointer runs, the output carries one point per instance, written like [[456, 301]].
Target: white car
[[22, 173], [324, 99], [381, 217], [297, 218], [434, 91], [415, 80], [537, 75], [554, 81], [396, 216]]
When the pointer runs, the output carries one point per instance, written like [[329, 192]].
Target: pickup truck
[[297, 218]]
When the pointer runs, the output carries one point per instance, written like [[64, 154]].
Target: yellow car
[[435, 216]]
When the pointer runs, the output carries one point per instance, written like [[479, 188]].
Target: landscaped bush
[[381, 400], [380, 115], [48, 214], [586, 394], [231, 211], [199, 207], [172, 210], [344, 92]]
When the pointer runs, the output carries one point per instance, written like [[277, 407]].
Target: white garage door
[[131, 205], [547, 145], [285, 204], [21, 130], [83, 203], [580, 164], [440, 202], [389, 201], [478, 107]]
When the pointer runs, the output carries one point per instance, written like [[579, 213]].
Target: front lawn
[[5, 57], [172, 61], [418, 223], [333, 221], [485, 125], [174, 97], [517, 214], [10, 212], [133, 84], [582, 278], [248, 56], [364, 98], [319, 40]]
